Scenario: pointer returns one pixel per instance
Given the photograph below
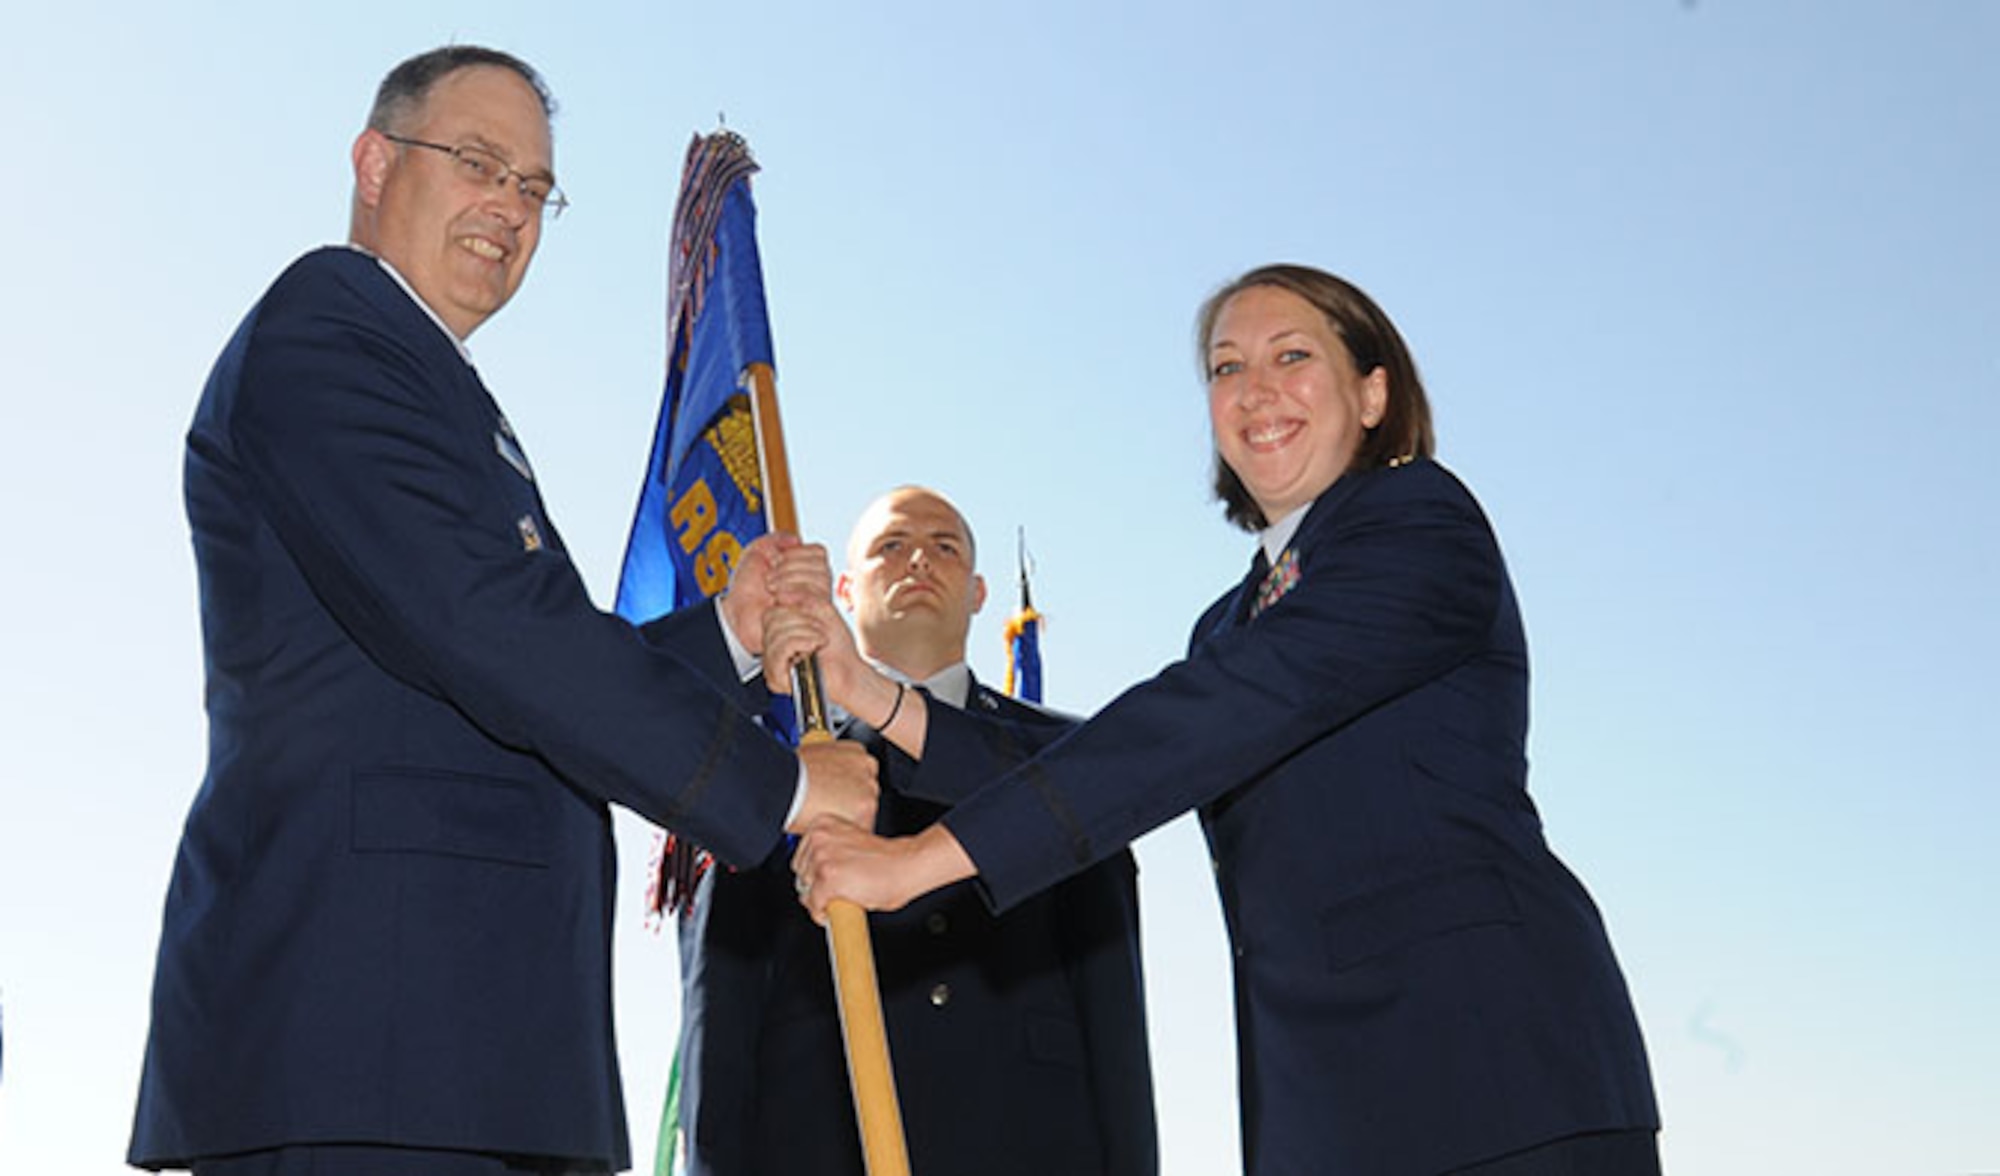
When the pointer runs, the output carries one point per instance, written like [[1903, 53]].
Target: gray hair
[[404, 91]]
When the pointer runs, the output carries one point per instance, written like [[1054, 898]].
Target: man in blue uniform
[[1019, 1043], [387, 944]]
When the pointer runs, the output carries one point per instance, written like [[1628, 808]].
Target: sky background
[[1704, 293]]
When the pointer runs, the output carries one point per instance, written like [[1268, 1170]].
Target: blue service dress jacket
[[1420, 983], [1018, 1043], [390, 915]]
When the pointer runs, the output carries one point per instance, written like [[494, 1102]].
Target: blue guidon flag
[[703, 498], [1024, 642]]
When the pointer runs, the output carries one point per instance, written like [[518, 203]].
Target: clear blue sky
[[1704, 292]]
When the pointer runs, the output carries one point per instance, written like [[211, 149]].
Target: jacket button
[[936, 923], [941, 996]]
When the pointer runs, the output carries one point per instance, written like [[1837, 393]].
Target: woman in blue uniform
[[1421, 986]]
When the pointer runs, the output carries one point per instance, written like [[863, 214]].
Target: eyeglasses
[[484, 167]]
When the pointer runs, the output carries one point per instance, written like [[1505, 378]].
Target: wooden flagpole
[[858, 991]]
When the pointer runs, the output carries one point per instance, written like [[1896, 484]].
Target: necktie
[[1246, 593]]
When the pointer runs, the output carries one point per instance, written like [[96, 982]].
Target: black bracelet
[[901, 690]]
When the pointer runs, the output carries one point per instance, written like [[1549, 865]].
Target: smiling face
[[462, 244], [910, 583], [1287, 406]]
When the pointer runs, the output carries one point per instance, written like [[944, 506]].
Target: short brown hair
[[1370, 337]]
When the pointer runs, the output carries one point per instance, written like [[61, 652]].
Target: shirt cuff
[[798, 793], [748, 665]]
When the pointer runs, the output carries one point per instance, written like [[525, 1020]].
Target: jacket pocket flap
[[450, 813], [1382, 921]]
